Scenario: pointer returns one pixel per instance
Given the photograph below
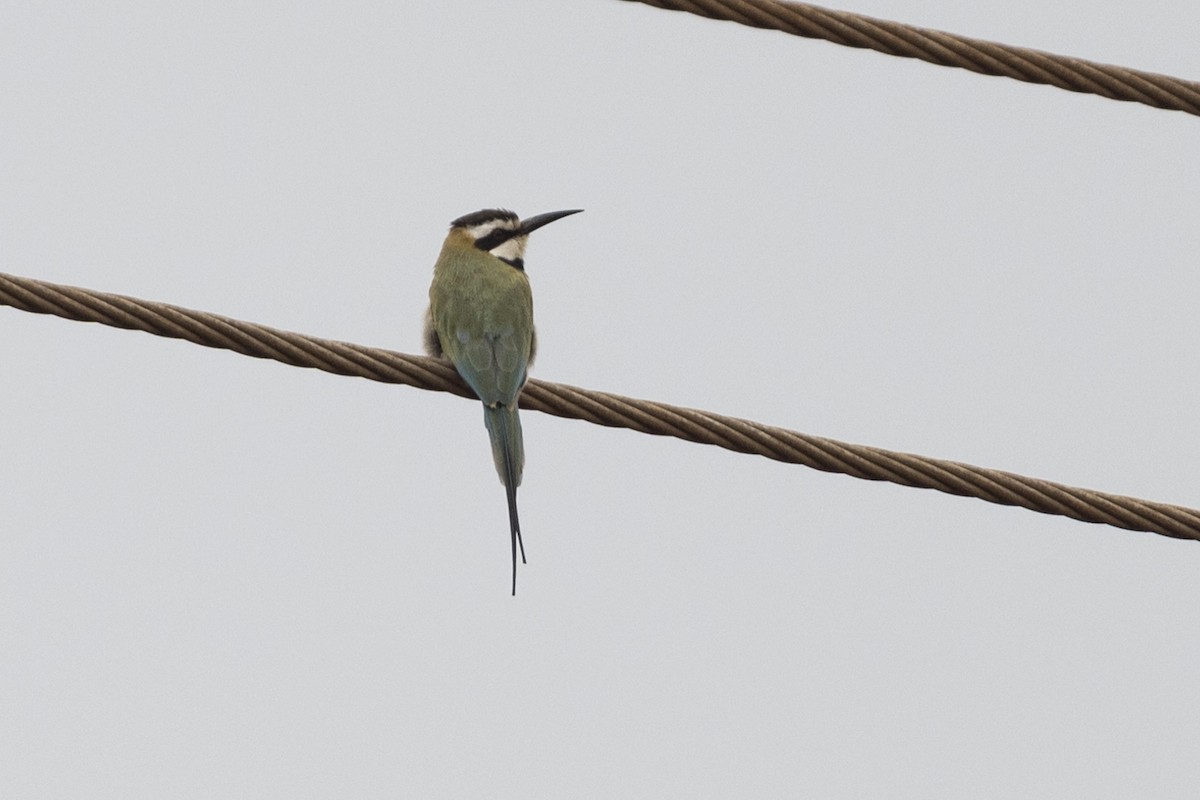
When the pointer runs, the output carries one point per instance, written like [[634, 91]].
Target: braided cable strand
[[602, 408], [951, 50]]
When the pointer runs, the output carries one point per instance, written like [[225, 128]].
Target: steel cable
[[950, 50], [602, 408]]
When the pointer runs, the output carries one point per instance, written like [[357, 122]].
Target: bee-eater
[[481, 318]]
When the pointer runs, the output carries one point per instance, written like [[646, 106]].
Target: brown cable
[[951, 50], [602, 408]]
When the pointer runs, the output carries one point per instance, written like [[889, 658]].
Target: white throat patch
[[511, 250]]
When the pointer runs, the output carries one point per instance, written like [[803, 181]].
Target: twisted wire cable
[[602, 408], [951, 50]]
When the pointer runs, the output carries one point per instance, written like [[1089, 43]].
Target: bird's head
[[502, 233]]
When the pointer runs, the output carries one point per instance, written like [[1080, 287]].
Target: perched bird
[[481, 318]]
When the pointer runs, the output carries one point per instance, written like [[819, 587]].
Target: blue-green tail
[[508, 451]]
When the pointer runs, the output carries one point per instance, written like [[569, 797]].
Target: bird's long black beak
[[533, 223]]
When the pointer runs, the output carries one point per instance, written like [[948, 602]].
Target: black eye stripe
[[495, 238]]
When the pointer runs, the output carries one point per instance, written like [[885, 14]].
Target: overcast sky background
[[224, 577]]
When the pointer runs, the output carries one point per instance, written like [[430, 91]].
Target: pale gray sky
[[222, 577]]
